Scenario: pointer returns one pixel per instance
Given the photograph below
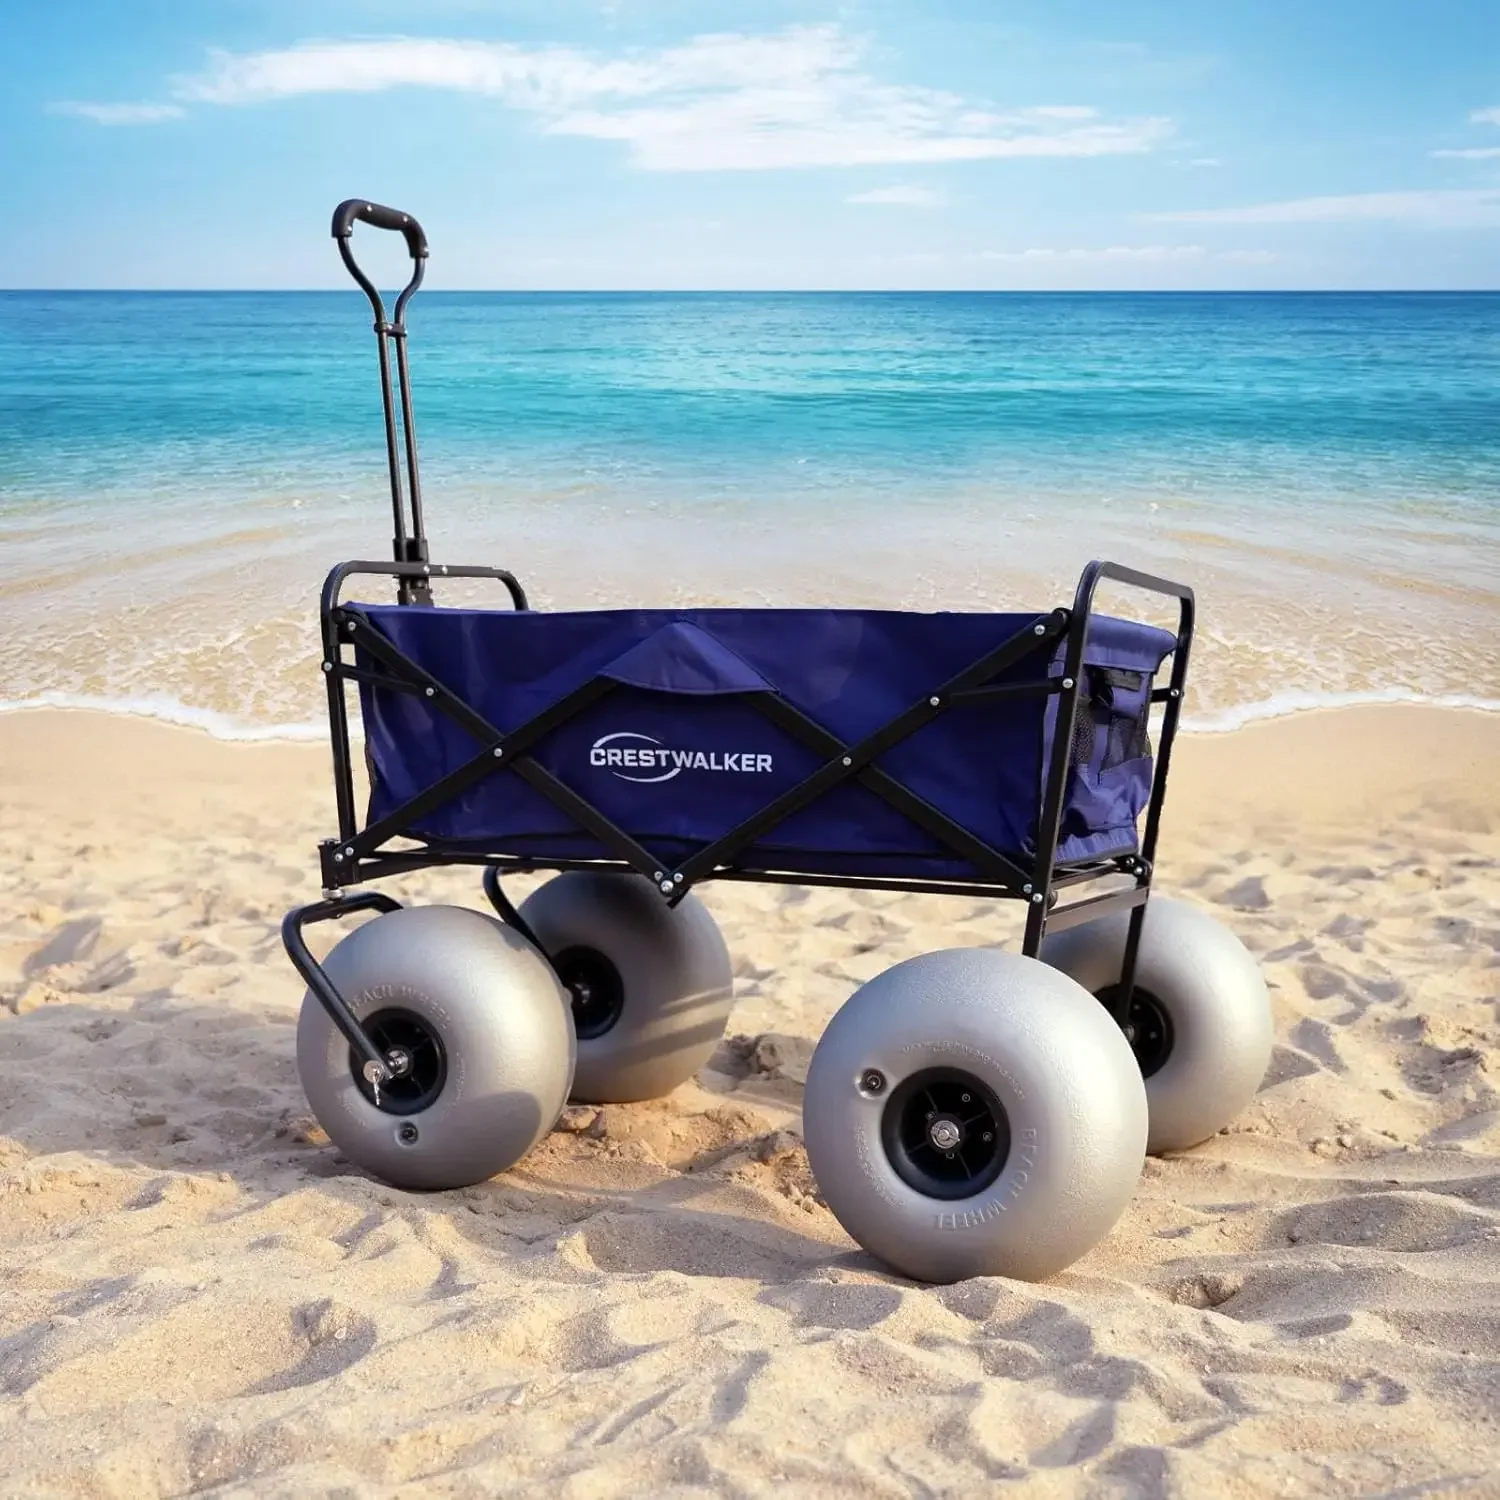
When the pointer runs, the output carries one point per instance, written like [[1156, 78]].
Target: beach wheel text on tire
[[974, 1113], [1200, 1013], [480, 1025], [651, 984]]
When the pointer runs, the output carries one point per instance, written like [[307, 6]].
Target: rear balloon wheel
[[650, 985], [1200, 1015]]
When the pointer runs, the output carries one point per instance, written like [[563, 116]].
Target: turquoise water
[[176, 470]]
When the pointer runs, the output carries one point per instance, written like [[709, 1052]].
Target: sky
[[1047, 144]]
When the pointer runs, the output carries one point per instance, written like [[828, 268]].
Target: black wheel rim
[[596, 987], [945, 1133], [421, 1063], [1148, 1027]]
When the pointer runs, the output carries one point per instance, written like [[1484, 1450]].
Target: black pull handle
[[412, 548], [380, 217]]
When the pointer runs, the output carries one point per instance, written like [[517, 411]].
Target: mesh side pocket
[[1129, 739], [1126, 699], [1112, 725], [1084, 736]]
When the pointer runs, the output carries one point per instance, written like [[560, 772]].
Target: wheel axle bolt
[[873, 1081], [963, 1098], [945, 1136]]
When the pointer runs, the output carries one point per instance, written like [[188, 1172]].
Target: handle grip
[[380, 217]]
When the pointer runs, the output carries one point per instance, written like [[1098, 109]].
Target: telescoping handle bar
[[409, 548]]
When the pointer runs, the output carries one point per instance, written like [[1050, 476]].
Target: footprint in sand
[[1315, 1038], [1248, 894]]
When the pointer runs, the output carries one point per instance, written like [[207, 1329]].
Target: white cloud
[[1133, 254], [121, 114], [1080, 265], [1474, 153], [549, 76], [1448, 208], [1159, 255], [1205, 161], [901, 196], [794, 98]]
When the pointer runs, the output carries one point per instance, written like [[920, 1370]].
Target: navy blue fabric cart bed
[[677, 749]]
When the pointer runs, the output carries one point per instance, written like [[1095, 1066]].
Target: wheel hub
[[416, 1064], [945, 1133], [597, 991], [1147, 1027]]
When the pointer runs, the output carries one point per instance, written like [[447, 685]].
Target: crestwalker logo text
[[639, 757]]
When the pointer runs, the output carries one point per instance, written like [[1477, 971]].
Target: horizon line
[[792, 291]]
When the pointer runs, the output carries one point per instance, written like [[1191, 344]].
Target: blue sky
[[651, 143]]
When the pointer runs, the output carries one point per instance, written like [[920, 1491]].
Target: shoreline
[[1330, 768], [1215, 723]]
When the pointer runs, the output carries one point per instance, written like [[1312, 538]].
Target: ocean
[[178, 471]]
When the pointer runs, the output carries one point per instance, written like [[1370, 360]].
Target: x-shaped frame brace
[[841, 761]]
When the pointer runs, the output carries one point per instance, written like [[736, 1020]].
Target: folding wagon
[[969, 1111]]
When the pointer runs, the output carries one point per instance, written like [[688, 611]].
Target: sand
[[198, 1295]]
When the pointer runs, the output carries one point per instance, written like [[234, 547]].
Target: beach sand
[[199, 1295]]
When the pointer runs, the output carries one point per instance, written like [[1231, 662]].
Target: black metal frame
[[360, 854]]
